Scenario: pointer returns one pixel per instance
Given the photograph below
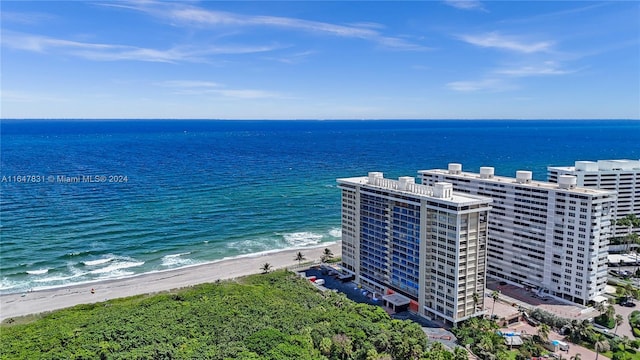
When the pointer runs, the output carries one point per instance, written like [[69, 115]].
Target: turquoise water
[[92, 200]]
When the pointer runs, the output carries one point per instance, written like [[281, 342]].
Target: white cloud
[[496, 40], [111, 52], [503, 79], [248, 94], [42, 43], [466, 4], [547, 68], [199, 87], [294, 58], [189, 84], [194, 16], [489, 85], [25, 18]]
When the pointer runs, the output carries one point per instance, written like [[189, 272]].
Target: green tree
[[266, 267], [579, 330], [630, 221], [299, 258], [599, 306], [543, 332], [343, 345], [495, 295], [264, 340], [476, 300], [600, 344], [619, 320], [625, 343], [631, 291], [325, 346], [460, 353], [327, 255]]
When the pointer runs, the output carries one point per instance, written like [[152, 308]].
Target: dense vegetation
[[268, 316], [482, 337], [634, 321]]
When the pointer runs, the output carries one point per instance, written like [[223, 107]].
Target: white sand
[[14, 305]]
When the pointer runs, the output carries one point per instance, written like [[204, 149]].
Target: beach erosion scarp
[[42, 301]]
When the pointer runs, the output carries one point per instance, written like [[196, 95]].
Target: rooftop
[[407, 186], [515, 181], [601, 165]]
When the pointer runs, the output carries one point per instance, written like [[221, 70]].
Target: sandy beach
[[20, 304]]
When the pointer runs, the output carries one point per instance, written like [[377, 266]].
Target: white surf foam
[[117, 265], [117, 274], [251, 246], [97, 262], [37, 272], [304, 238], [55, 279], [336, 232], [6, 284], [174, 260]]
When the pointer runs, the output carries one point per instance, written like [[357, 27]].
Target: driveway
[[625, 328]]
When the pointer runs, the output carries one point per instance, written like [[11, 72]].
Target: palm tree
[[476, 300], [485, 345], [599, 306], [599, 344], [579, 330], [610, 312], [619, 320], [266, 268], [460, 354], [630, 221], [621, 291], [630, 290], [495, 295], [543, 332], [299, 258], [327, 255]]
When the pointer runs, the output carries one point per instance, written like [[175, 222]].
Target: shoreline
[[47, 300]]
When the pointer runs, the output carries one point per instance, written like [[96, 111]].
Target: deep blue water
[[200, 191]]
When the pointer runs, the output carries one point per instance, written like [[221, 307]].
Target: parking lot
[[433, 330]]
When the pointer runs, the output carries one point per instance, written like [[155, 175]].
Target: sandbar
[[35, 302]]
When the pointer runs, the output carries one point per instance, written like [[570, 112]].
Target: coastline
[[41, 301]]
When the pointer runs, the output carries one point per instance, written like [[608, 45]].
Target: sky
[[450, 59]]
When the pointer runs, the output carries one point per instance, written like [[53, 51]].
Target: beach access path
[[35, 302]]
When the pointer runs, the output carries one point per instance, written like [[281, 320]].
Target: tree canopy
[[267, 316]]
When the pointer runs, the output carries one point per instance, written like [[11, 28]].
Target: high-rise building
[[551, 238], [623, 176], [421, 247]]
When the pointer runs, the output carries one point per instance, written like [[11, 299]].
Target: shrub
[[604, 320]]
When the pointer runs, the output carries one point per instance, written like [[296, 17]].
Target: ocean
[[83, 201]]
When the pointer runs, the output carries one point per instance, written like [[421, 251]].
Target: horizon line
[[319, 119]]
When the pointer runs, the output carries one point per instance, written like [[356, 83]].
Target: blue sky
[[320, 60]]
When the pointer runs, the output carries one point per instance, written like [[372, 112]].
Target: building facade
[[551, 238], [623, 176], [419, 246]]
